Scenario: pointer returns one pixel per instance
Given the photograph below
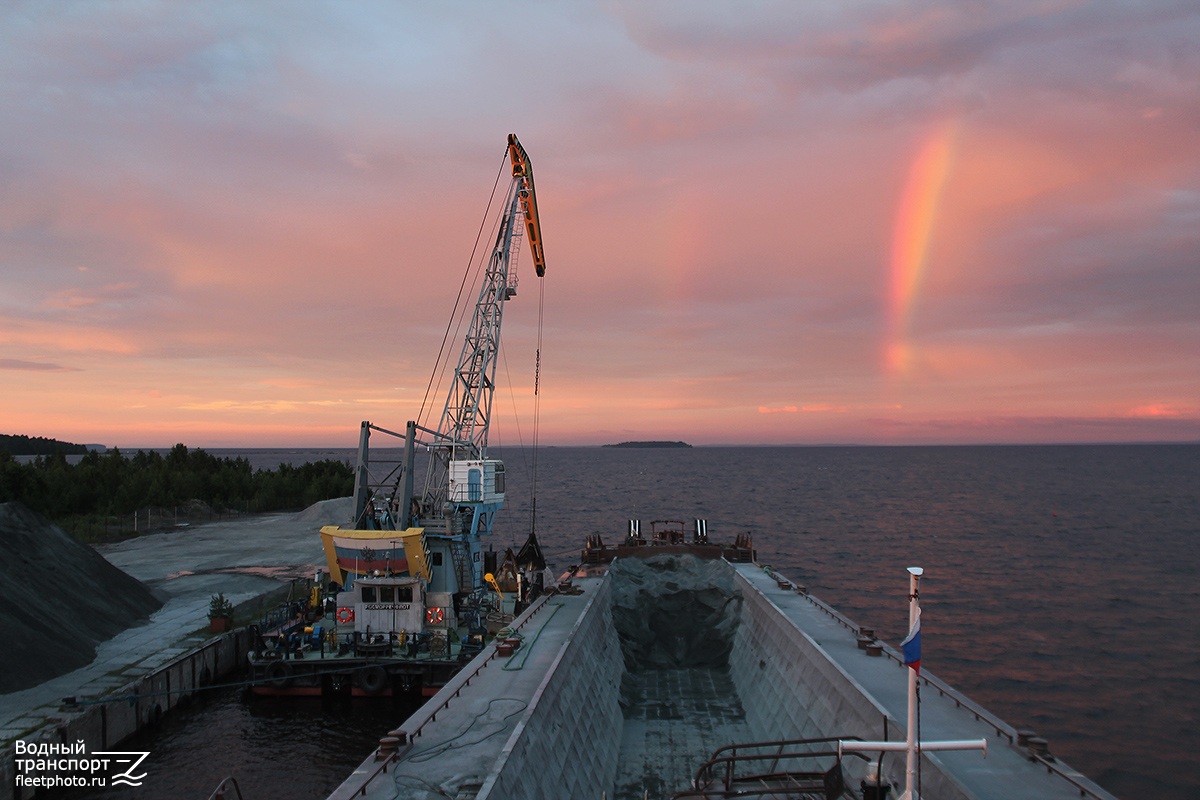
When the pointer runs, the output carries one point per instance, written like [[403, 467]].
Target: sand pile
[[338, 511], [61, 599]]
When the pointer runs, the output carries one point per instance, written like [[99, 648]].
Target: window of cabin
[[404, 594], [368, 594], [435, 559], [387, 594]]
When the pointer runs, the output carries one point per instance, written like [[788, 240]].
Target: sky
[[245, 224]]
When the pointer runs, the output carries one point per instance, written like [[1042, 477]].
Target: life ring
[[373, 680], [434, 616], [279, 673], [345, 614]]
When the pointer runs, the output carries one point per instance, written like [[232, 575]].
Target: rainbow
[[911, 237]]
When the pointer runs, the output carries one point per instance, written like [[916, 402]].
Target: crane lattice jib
[[463, 430], [462, 433], [465, 419]]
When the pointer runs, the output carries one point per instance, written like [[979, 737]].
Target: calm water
[[1060, 592], [274, 748]]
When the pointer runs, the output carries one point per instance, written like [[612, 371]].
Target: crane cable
[[443, 351], [537, 406]]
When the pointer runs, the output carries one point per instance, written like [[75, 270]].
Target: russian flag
[[911, 646]]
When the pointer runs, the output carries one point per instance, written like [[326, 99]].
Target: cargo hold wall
[[789, 686], [792, 688], [566, 745]]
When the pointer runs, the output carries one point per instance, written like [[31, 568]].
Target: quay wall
[[102, 723], [567, 742]]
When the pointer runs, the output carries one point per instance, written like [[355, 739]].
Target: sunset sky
[[245, 224]]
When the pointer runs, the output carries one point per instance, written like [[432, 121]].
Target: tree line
[[111, 484], [19, 445]]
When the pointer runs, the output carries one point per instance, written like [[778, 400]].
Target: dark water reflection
[[275, 748]]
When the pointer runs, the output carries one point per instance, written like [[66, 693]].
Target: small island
[[648, 444]]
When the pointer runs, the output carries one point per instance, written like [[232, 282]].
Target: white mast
[[912, 658], [912, 746]]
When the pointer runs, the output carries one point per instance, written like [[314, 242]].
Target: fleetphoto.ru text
[[43, 765]]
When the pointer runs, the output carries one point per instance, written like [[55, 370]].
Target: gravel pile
[[61, 599], [674, 612], [338, 511]]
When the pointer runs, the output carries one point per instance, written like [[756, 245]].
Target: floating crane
[[441, 527]]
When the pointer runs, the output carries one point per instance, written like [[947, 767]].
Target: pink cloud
[[1162, 410], [274, 251]]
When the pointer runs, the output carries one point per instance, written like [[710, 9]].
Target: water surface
[[1060, 590]]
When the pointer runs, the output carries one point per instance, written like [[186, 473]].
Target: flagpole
[[914, 632], [911, 653]]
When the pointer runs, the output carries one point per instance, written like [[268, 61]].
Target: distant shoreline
[[648, 444]]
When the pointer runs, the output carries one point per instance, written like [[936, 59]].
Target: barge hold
[[664, 674]]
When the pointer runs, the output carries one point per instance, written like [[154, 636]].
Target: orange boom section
[[522, 168]]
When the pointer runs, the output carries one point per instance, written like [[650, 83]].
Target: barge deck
[[585, 709]]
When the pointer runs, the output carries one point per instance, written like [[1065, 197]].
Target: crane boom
[[464, 488], [466, 417], [522, 168]]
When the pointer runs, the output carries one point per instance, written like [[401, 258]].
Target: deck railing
[[727, 766], [227, 789]]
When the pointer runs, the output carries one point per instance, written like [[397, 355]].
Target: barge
[[664, 674]]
